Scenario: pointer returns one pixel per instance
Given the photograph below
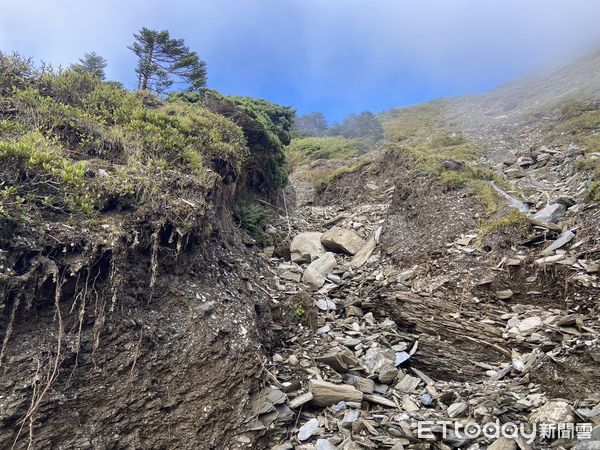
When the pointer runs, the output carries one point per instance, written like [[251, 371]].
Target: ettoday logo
[[495, 430]]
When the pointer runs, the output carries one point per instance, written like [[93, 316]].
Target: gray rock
[[456, 409], [313, 278], [338, 408], [206, 308], [426, 400], [529, 325], [363, 254], [456, 441], [342, 241], [380, 400], [372, 187], [397, 447], [340, 360], [284, 446], [325, 305], [324, 264], [306, 247], [388, 375], [324, 444], [512, 202], [316, 271], [291, 276], [308, 429], [408, 383], [525, 161], [350, 417], [504, 157], [364, 385], [551, 213], [327, 394], [562, 240], [556, 411], [514, 173], [276, 397], [567, 201], [588, 445], [400, 358], [503, 443], [450, 164], [354, 311], [378, 359], [504, 295]]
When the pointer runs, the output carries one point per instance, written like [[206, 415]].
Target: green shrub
[[512, 219], [16, 72], [68, 86], [51, 123], [185, 136], [60, 182], [447, 140], [322, 179], [111, 104], [304, 150], [252, 217], [266, 127], [594, 191]]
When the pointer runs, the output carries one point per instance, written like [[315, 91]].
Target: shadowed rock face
[[173, 371], [306, 247], [342, 241]]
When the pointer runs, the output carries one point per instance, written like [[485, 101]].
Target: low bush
[[305, 150], [512, 218], [252, 217]]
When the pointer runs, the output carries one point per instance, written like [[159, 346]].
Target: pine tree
[[160, 58], [92, 63]]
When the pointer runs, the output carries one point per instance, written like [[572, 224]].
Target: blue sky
[[335, 56]]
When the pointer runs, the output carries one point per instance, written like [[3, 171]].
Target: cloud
[[339, 56]]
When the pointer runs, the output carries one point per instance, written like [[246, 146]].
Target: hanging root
[[153, 263], [136, 355], [98, 323], [113, 283], [8, 332], [82, 297], [38, 395]]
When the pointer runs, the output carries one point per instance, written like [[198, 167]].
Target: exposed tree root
[[136, 355], [153, 263], [11, 320], [37, 395]]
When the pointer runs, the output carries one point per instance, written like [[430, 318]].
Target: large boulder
[[342, 241], [327, 394], [555, 411], [363, 254], [306, 247], [317, 270], [551, 213], [381, 362]]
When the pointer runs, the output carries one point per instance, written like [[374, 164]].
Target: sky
[[335, 56]]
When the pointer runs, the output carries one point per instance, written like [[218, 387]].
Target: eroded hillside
[[454, 277], [130, 311]]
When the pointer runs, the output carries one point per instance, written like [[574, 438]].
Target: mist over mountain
[[329, 56]]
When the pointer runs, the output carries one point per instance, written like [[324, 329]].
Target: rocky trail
[[372, 344]]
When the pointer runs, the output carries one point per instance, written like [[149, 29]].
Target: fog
[[336, 56]]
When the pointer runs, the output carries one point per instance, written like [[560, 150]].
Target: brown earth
[[140, 337]]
